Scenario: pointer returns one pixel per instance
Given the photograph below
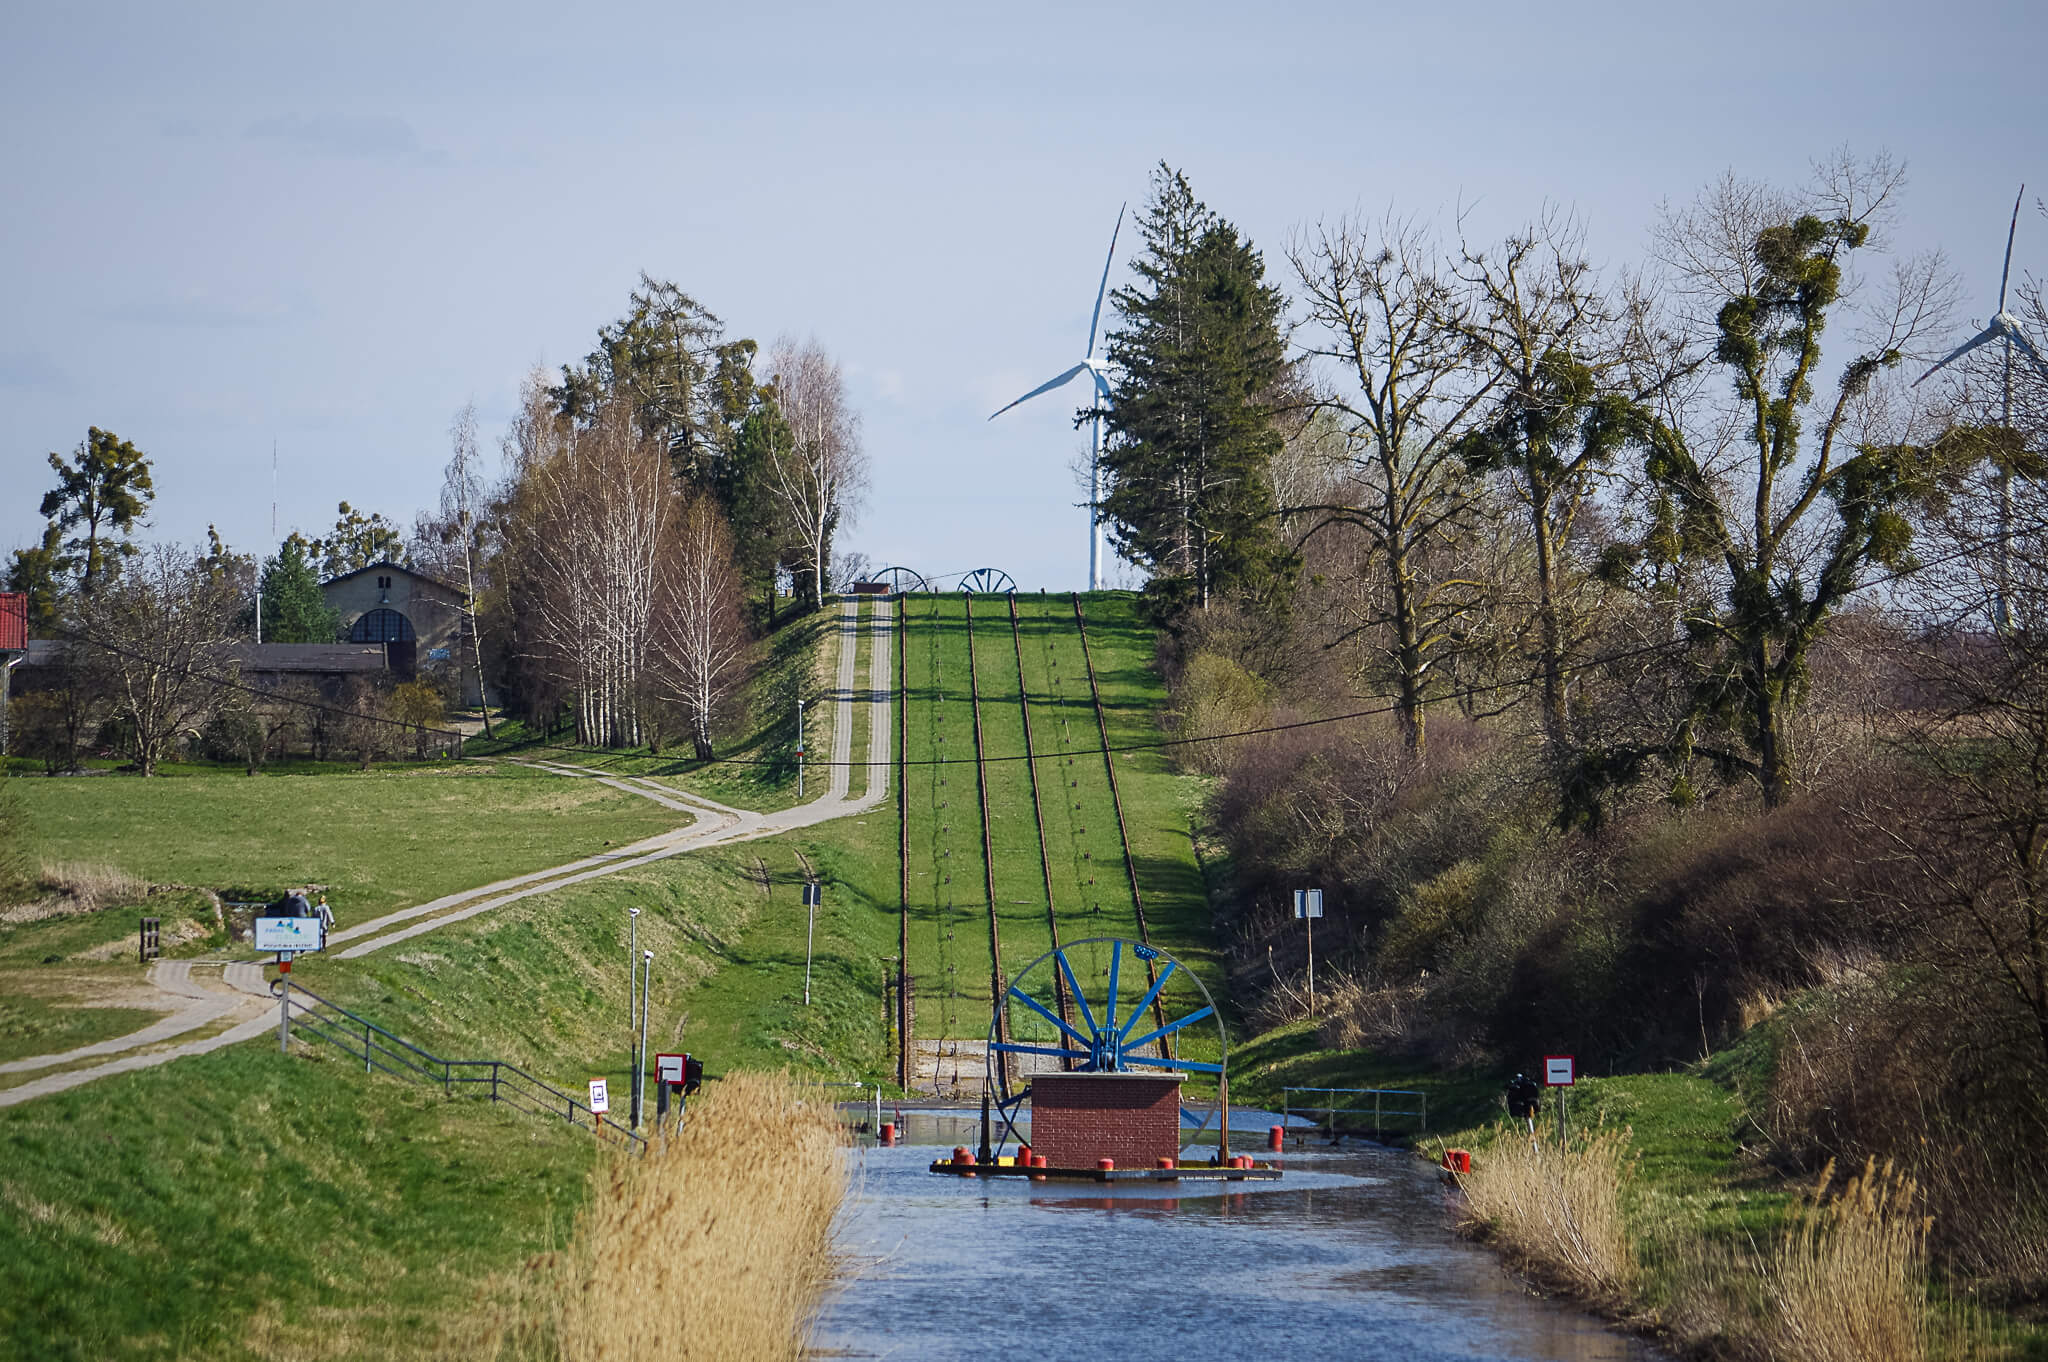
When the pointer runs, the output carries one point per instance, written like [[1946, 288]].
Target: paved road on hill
[[240, 996]]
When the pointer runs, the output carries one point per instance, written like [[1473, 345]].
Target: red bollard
[[1166, 1163], [962, 1154], [888, 1132], [1105, 1165], [1276, 1138], [1038, 1161]]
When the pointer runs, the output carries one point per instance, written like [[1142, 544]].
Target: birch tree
[[462, 497], [817, 476], [700, 637]]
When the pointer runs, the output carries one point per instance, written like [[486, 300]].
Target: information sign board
[[1308, 903], [668, 1068], [1558, 1071], [600, 1096], [814, 894], [287, 933]]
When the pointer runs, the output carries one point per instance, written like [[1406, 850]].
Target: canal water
[[1348, 1257]]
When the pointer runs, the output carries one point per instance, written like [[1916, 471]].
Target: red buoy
[[1166, 1163], [962, 1154], [1105, 1164], [888, 1132], [1276, 1138], [1038, 1161]]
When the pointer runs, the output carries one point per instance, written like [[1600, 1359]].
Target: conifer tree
[[294, 611], [1191, 429]]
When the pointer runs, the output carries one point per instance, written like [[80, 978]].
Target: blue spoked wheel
[[1108, 1005], [984, 581]]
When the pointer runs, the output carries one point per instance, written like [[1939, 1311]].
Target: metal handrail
[[1287, 1108], [380, 1049]]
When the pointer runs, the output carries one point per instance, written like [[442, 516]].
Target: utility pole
[[811, 896], [640, 1063], [633, 1004]]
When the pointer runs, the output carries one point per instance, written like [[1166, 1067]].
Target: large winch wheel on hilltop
[[1107, 1005]]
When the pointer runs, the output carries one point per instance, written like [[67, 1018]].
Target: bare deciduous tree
[[158, 638], [1387, 328], [819, 476]]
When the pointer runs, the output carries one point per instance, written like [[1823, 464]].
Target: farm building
[[416, 621]]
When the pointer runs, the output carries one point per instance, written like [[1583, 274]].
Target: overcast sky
[[328, 229]]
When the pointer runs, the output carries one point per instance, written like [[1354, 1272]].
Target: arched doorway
[[393, 630]]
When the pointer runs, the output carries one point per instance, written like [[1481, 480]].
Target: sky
[[324, 229]]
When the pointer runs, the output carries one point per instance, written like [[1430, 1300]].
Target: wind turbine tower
[[2006, 328], [1096, 366]]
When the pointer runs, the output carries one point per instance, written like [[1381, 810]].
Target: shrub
[[1845, 1282]]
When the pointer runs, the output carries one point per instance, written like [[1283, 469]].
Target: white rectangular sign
[[669, 1068], [1308, 903], [600, 1097], [1558, 1071], [287, 933]]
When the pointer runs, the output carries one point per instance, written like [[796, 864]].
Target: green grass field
[[378, 839], [243, 1204]]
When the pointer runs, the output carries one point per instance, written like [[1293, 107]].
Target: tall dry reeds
[[1557, 1213], [716, 1244], [1846, 1282]]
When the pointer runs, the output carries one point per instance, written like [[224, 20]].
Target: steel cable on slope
[[1052, 923]]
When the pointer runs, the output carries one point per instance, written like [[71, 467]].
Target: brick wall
[[1079, 1118]]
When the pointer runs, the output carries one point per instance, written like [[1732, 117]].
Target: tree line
[[611, 572], [1643, 650]]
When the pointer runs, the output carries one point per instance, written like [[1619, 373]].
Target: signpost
[[799, 749], [1560, 1072], [1308, 906], [813, 894], [288, 936], [600, 1099]]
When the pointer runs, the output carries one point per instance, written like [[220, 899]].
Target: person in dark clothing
[[1523, 1098]]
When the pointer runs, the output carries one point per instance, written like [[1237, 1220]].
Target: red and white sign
[[668, 1068], [1558, 1071], [600, 1096]]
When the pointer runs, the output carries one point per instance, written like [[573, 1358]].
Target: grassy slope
[[242, 1204]]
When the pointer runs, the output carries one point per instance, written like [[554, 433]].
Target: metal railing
[[361, 1038], [1378, 1110]]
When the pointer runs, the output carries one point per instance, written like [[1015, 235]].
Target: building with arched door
[[419, 621]]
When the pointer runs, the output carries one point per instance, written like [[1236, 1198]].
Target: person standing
[[326, 916], [1523, 1098]]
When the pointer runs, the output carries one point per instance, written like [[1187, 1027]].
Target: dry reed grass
[[716, 1244], [1846, 1282], [1557, 1213], [73, 887]]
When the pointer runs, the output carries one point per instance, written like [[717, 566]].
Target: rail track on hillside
[[1052, 924], [1123, 834], [988, 857]]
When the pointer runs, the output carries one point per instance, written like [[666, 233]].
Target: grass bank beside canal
[[1669, 1214]]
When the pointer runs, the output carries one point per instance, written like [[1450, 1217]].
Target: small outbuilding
[[1078, 1118]]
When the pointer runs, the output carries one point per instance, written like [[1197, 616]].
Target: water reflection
[[1348, 1257]]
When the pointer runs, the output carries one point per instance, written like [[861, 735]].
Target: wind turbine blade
[[1096, 317], [1045, 387], [1990, 333], [2017, 338], [2006, 273]]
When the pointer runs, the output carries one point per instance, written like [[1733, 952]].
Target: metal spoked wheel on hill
[[1129, 1007], [901, 580], [988, 581]]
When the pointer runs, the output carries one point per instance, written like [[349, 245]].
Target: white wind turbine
[[1096, 366], [2003, 327]]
